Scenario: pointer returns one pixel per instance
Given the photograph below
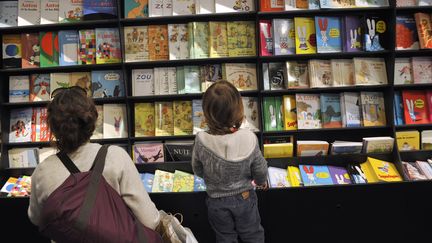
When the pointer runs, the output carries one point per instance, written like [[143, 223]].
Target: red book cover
[[266, 38], [41, 119], [272, 5], [30, 50], [429, 103], [415, 107], [33, 125]]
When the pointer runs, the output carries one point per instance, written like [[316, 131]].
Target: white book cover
[[142, 82], [290, 5], [342, 72], [23, 157], [192, 79], [424, 2], [369, 3], [227, 6], [98, 132], [168, 7], [28, 12], [19, 89], [71, 10], [136, 43], [320, 73], [8, 13], [266, 77], [242, 75], [426, 139], [308, 111], [20, 125], [283, 39], [49, 11], [403, 71], [250, 108], [370, 71], [204, 6], [277, 177], [115, 124], [183, 7], [352, 109], [156, 8], [172, 79], [178, 41], [161, 81]]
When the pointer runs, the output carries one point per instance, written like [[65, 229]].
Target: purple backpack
[[85, 208]]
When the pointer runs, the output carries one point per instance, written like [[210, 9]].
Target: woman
[[72, 117]]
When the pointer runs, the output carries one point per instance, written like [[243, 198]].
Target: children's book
[[183, 181], [99, 9], [49, 11], [148, 153], [413, 171], [183, 7], [378, 144], [199, 123], [40, 87], [421, 69], [342, 147], [136, 43], [108, 46], [242, 75], [209, 74], [241, 38], [199, 184], [200, 39], [178, 41], [142, 82], [373, 109], [167, 9], [336, 4], [351, 109], [371, 3], [424, 25], [227, 6], [415, 107], [380, 171], [370, 71], [320, 73], [23, 157], [144, 119], [49, 53], [107, 84], [68, 42], [191, 80], [19, 88], [403, 71], [328, 31], [284, 36], [183, 124], [339, 175], [406, 3], [163, 181], [276, 72], [406, 33], [297, 75], [158, 42], [250, 109], [179, 150], [308, 111], [204, 6], [29, 12], [376, 34], [399, 108], [278, 150], [218, 42], [342, 71], [30, 49], [164, 119], [41, 131], [277, 177], [136, 9], [353, 32], [272, 5], [71, 10], [11, 51], [83, 80], [269, 114], [305, 37], [98, 132], [147, 179], [289, 112], [156, 8], [330, 110], [87, 47], [115, 124], [294, 177], [266, 38], [426, 140], [357, 174], [314, 175], [408, 140], [312, 148], [8, 13], [59, 80], [20, 125]]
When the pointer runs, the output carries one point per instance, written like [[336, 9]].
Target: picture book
[[405, 3], [314, 4], [342, 147], [351, 109], [20, 125], [107, 84], [167, 8], [19, 89], [265, 76], [148, 153], [158, 42], [201, 39], [421, 69], [277, 177], [179, 150], [242, 75], [99, 9], [291, 4], [9, 184], [406, 33], [357, 174], [403, 71], [29, 12], [371, 3], [23, 157], [40, 87], [164, 119], [380, 171], [199, 123], [424, 25], [43, 133], [278, 150], [314, 175], [178, 41], [339, 175], [328, 31], [251, 117], [297, 75], [373, 109], [426, 140], [378, 144], [11, 51], [204, 6], [83, 80], [115, 124], [425, 168], [305, 37], [209, 74], [71, 10], [272, 5], [49, 11], [87, 47], [284, 36], [376, 34], [266, 37], [276, 71], [218, 42], [412, 171], [241, 38], [424, 2], [136, 43], [183, 124], [279, 114], [289, 112], [8, 13], [308, 111], [144, 119], [156, 8], [191, 80], [147, 179], [108, 46], [163, 181], [227, 6], [320, 74], [294, 177], [183, 181], [59, 80], [337, 4], [49, 49], [142, 82], [408, 140], [269, 114], [353, 32], [370, 71], [199, 184], [429, 103], [30, 50], [98, 132], [399, 108], [68, 42], [136, 9], [415, 107], [330, 110], [183, 7], [342, 71], [312, 148]]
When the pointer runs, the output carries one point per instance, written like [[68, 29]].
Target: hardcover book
[[20, 125], [378, 144], [158, 42], [289, 111], [30, 50], [241, 75], [115, 124], [201, 39], [305, 37], [23, 157], [353, 33], [107, 84], [342, 72], [272, 5], [328, 31], [297, 75], [19, 89], [227, 6], [276, 72], [415, 107], [142, 82], [205, 6], [147, 180], [163, 181], [373, 109], [41, 131], [312, 148], [136, 9], [399, 108], [29, 12], [424, 25], [269, 114], [179, 150], [209, 74], [199, 184], [144, 119], [380, 171], [199, 123], [405, 3], [426, 140], [403, 71], [308, 111], [156, 8], [136, 43], [294, 177], [278, 150], [49, 11], [241, 38], [421, 69], [376, 34], [183, 181], [83, 80], [11, 51], [178, 41], [406, 33], [71, 10], [183, 124], [339, 175], [342, 147], [49, 54], [370, 71], [330, 110], [408, 140], [191, 80], [39, 87], [266, 38], [99, 9], [59, 80], [277, 177], [148, 153], [218, 41], [251, 118], [87, 47], [108, 46], [8, 13], [284, 36], [164, 119], [183, 7], [68, 42], [351, 109], [314, 175], [424, 2], [167, 9], [320, 73]]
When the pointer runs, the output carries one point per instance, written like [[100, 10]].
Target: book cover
[[108, 46], [148, 153], [242, 75], [337, 4], [314, 4], [370, 71], [314, 175], [9, 184], [406, 3], [179, 150], [142, 82], [424, 3], [23, 157], [136, 9], [341, 147], [19, 88], [68, 42], [278, 150], [183, 181], [266, 76], [399, 108], [272, 5], [183, 124], [373, 109], [99, 9], [70, 10], [144, 119], [115, 124], [328, 31], [83, 80], [178, 41], [218, 42], [49, 52], [403, 71], [156, 8], [241, 38], [209, 74], [352, 29], [191, 80], [406, 33], [421, 69], [294, 177], [163, 181], [277, 177], [381, 171], [312, 148], [426, 140], [49, 11], [29, 12], [136, 43], [429, 103], [425, 168], [297, 75], [183, 7], [339, 175], [284, 36], [376, 34], [342, 72], [266, 37], [30, 50], [199, 184], [415, 107], [59, 80], [378, 144], [424, 25], [167, 8], [351, 107], [369, 3], [357, 174], [158, 42], [269, 114], [11, 51], [20, 125], [161, 84], [107, 83], [199, 123], [276, 72], [227, 6], [308, 111], [289, 111], [250, 109], [305, 37], [330, 110], [205, 6], [164, 119], [8, 13], [98, 132], [320, 73], [87, 47], [408, 140], [412, 171], [279, 114], [147, 180], [40, 87], [43, 133]]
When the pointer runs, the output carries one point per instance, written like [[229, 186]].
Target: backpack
[[85, 208]]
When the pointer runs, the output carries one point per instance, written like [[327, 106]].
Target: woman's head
[[72, 118], [223, 108]]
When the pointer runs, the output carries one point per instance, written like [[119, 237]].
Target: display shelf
[[414, 126], [341, 129], [412, 156], [412, 86], [324, 12], [27, 144], [412, 9], [169, 166], [161, 138], [72, 68], [413, 53], [326, 90], [189, 62], [174, 97], [26, 104], [333, 55]]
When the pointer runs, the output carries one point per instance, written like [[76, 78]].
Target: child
[[229, 160]]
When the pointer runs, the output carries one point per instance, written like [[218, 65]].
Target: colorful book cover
[[158, 42], [183, 124], [336, 4], [266, 38], [19, 89], [83, 80], [279, 114], [297, 75], [108, 46], [421, 69], [278, 150], [115, 124], [20, 125], [269, 114], [218, 39], [136, 43], [30, 49], [330, 110], [209, 74], [370, 71], [70, 10], [300, 4], [178, 41], [198, 119], [98, 132], [191, 80], [148, 153], [376, 34], [284, 36], [9, 184], [227, 6], [314, 175], [183, 181], [320, 73], [429, 103], [353, 34], [342, 72], [406, 33], [163, 181], [43, 133], [68, 42], [415, 107], [308, 111], [164, 119], [328, 31], [40, 87], [424, 25], [107, 84], [29, 12], [11, 51], [241, 38], [242, 75], [251, 118], [49, 55], [408, 140], [272, 5], [289, 111], [351, 107], [403, 73], [142, 82], [136, 9], [147, 180], [277, 177], [59, 80], [399, 108], [183, 7], [373, 109], [199, 184], [99, 9], [87, 47], [357, 174], [49, 11], [144, 119], [8, 13], [305, 37], [339, 175]]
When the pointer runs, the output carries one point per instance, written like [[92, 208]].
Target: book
[[339, 175], [375, 36], [136, 9], [99, 9], [320, 74], [426, 140], [178, 41], [373, 108], [68, 42], [269, 114], [276, 71], [405, 3], [144, 119], [204, 6], [142, 82], [156, 8], [266, 38], [308, 111], [191, 80], [40, 87], [148, 153], [199, 184], [59, 80], [163, 181], [158, 42], [351, 109], [108, 46], [328, 31], [29, 12], [412, 171], [421, 69], [70, 10], [40, 130], [98, 132], [49, 53], [182, 116], [184, 7], [179, 150], [199, 123], [424, 3], [342, 71], [314, 175], [293, 175], [250, 110], [183, 181], [305, 38], [227, 6], [87, 47], [380, 171], [167, 9], [378, 144], [115, 124], [11, 51], [272, 5], [147, 179], [336, 4], [425, 168], [408, 140], [209, 74], [242, 75], [368, 3], [164, 119], [49, 11], [284, 36], [218, 42], [83, 80], [415, 107], [403, 71], [370, 71], [344, 147], [23, 157], [20, 125], [312, 148], [8, 13], [107, 84], [241, 38], [136, 43], [278, 150], [330, 110], [406, 33], [277, 177], [353, 33], [9, 184], [297, 75], [423, 23], [357, 174], [30, 50], [19, 88], [200, 39], [398, 105], [289, 112]]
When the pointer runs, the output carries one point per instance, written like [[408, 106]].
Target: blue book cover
[[331, 110], [136, 9], [398, 107], [107, 84], [313, 175], [339, 175], [199, 184], [147, 180], [328, 32], [68, 44], [100, 9], [406, 33], [375, 36]]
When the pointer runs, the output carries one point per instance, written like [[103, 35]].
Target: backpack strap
[[68, 163]]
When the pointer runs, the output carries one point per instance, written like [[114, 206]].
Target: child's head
[[223, 108]]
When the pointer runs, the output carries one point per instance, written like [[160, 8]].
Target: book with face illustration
[[305, 37], [183, 124], [144, 119], [30, 49], [70, 10], [250, 108], [415, 107], [328, 31], [136, 43], [178, 41], [373, 109], [376, 36], [218, 39], [164, 119], [308, 111], [241, 75], [228, 6], [115, 124], [353, 33], [284, 36]]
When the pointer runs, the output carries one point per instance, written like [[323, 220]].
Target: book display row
[[414, 140], [177, 181]]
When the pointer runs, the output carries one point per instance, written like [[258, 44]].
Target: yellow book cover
[[305, 37], [242, 75], [144, 119], [183, 181], [158, 42], [183, 124], [373, 108], [83, 80], [380, 171], [293, 175], [218, 39], [289, 110], [278, 150], [241, 38], [164, 119], [408, 140]]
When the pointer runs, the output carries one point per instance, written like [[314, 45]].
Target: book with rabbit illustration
[[308, 111], [403, 71], [370, 71], [218, 39], [320, 73], [406, 33], [134, 9], [424, 25], [250, 108], [148, 153], [377, 170], [289, 111], [415, 107], [328, 34], [305, 37], [353, 33], [337, 4], [115, 124], [315, 175], [269, 113], [376, 33], [277, 177], [421, 69], [342, 71], [330, 110], [136, 43], [408, 140], [241, 38], [373, 109], [297, 75], [284, 36], [371, 3], [339, 175], [163, 181], [183, 124], [266, 38]]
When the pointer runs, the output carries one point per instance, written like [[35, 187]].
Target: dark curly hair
[[72, 118]]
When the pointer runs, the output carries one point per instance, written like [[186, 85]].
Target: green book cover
[[269, 113], [279, 113], [201, 39], [180, 80], [49, 56]]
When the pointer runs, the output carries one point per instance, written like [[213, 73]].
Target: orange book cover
[[272, 5], [158, 42]]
